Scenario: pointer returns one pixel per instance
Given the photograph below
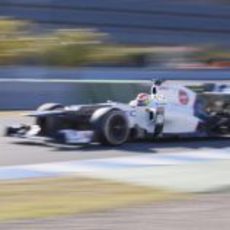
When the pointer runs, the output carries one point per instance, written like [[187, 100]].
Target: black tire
[[49, 124], [111, 128]]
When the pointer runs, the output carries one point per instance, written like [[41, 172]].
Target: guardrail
[[24, 72], [28, 87], [28, 95]]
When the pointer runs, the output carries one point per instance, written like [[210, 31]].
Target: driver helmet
[[142, 99]]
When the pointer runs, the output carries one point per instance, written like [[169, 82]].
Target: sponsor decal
[[183, 97], [133, 113]]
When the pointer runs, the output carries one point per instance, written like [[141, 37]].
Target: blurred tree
[[19, 44], [61, 47], [71, 47], [13, 40]]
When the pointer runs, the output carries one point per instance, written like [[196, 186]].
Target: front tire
[[111, 128]]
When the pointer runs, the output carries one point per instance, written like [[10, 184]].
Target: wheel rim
[[118, 129]]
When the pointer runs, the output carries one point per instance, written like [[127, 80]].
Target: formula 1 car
[[167, 110]]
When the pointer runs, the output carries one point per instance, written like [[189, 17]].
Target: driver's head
[[142, 99]]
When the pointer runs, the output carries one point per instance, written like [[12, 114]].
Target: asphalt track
[[17, 152], [208, 211]]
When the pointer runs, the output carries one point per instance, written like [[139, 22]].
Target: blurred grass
[[22, 43], [65, 196], [12, 113]]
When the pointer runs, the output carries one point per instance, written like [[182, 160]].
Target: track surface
[[15, 152], [209, 211]]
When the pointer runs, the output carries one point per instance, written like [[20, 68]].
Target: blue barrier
[[28, 87], [23, 72]]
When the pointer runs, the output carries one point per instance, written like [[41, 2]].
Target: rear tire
[[111, 128]]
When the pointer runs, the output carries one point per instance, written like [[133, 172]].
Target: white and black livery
[[167, 110]]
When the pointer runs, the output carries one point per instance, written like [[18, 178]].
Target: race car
[[167, 110], [216, 104]]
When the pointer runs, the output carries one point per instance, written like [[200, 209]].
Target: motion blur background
[[86, 51], [107, 39]]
